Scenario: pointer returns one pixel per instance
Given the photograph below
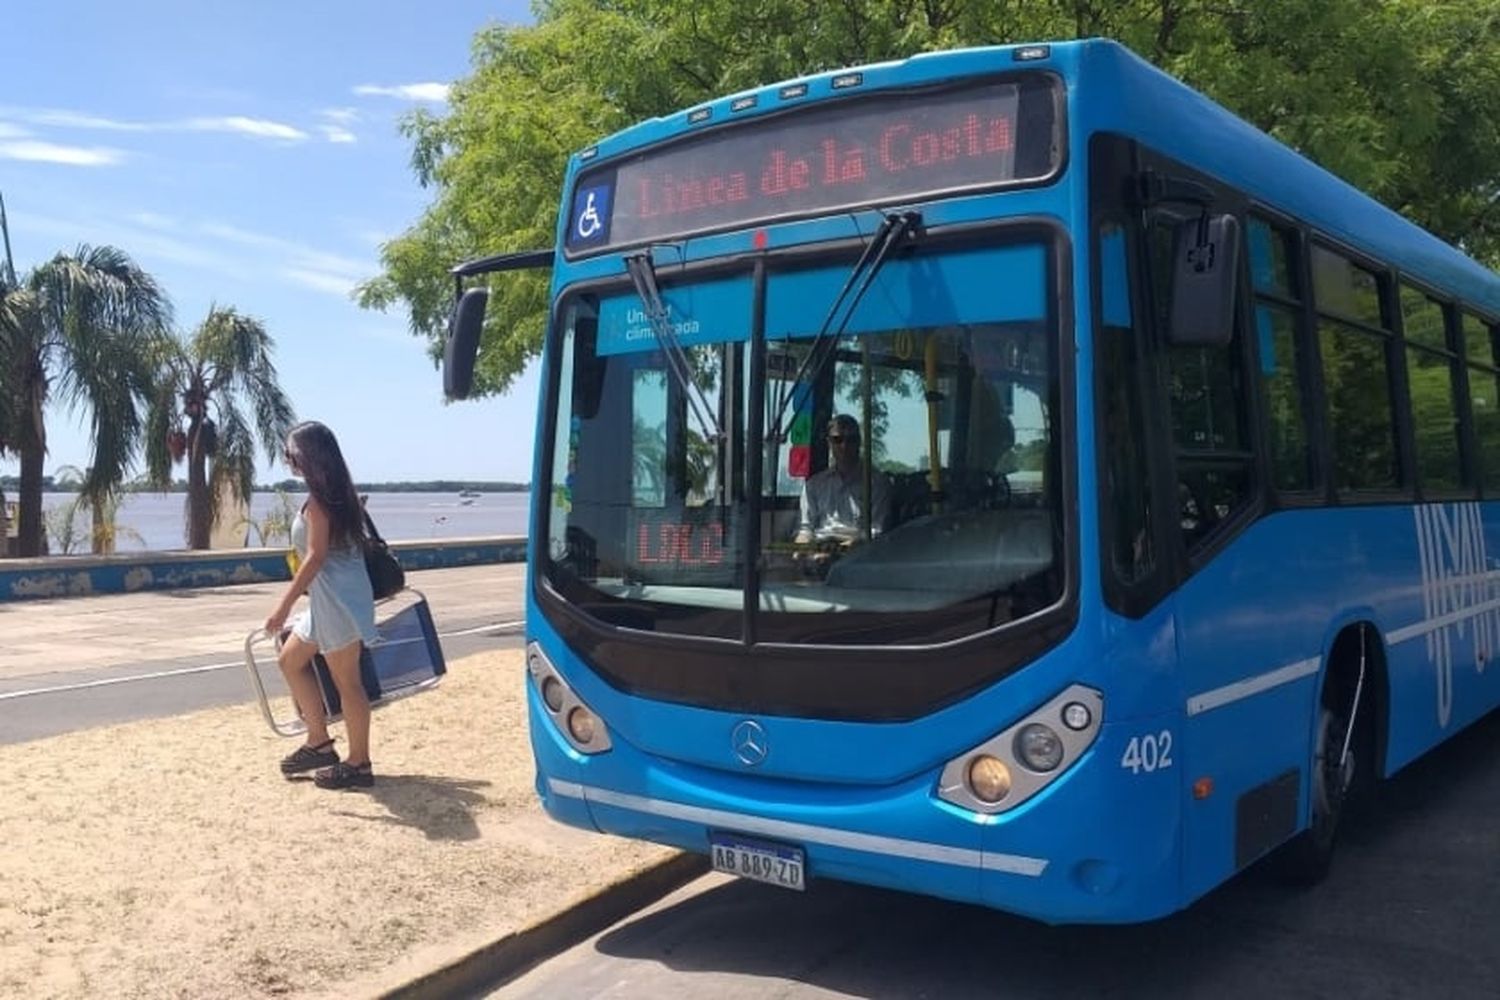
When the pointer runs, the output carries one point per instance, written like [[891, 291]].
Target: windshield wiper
[[643, 276], [893, 232]]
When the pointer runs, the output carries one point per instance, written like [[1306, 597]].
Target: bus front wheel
[[1335, 773]]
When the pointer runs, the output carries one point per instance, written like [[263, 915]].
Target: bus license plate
[[776, 864]]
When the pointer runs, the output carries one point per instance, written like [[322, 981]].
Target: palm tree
[[78, 329], [198, 414]]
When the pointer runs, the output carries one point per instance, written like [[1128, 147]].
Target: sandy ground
[[169, 858]]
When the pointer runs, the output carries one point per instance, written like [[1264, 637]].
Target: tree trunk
[[103, 534], [199, 503], [29, 534]]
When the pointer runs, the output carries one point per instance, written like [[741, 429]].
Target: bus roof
[[1107, 82]]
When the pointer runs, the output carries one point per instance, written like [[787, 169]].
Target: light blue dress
[[341, 605]]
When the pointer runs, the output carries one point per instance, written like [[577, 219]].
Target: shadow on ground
[[442, 808]]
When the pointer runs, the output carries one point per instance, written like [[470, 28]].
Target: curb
[[498, 962]]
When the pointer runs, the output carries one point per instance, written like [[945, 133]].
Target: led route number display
[[841, 155], [688, 545]]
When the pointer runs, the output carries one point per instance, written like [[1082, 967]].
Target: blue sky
[[248, 155]]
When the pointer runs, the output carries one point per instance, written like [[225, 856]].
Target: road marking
[[156, 675]]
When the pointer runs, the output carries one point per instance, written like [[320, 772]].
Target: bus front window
[[912, 494]]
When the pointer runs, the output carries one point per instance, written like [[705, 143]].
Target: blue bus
[[1001, 474]]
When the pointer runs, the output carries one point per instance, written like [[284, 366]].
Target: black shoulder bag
[[386, 575]]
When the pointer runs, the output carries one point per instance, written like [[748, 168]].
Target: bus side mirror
[[1205, 265], [461, 350]]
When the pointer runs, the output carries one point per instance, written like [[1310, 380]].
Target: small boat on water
[[470, 494]]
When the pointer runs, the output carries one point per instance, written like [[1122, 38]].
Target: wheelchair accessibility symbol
[[589, 222], [590, 215]]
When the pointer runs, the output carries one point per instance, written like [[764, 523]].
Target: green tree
[[78, 330], [207, 382], [1396, 96]]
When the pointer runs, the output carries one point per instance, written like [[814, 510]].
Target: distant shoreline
[[10, 488]]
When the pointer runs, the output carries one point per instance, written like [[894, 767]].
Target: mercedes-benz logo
[[749, 742]]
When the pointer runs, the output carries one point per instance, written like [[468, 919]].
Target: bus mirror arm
[[466, 321]]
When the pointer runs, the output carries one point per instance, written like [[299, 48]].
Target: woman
[[329, 536]]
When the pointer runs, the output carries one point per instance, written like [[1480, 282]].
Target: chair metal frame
[[295, 726]]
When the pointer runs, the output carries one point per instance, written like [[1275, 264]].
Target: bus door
[[1229, 618]]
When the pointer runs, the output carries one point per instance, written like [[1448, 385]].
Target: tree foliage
[[207, 383], [76, 330], [1396, 96]]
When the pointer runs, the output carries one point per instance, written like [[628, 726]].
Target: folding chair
[[406, 660]]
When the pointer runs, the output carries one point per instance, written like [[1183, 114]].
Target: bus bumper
[[1099, 845]]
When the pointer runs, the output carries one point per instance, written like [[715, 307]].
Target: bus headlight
[[1018, 762], [579, 724], [989, 778], [1076, 716], [552, 693], [1039, 747]]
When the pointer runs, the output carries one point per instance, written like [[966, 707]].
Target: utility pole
[[10, 264]]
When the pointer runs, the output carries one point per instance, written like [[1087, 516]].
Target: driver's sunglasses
[[841, 438]]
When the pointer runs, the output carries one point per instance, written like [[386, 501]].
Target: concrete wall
[[77, 576]]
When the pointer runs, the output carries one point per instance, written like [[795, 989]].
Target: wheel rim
[[1330, 779]]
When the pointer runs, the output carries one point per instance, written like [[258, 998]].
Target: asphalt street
[[74, 663]]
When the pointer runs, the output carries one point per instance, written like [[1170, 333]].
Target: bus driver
[[832, 498]]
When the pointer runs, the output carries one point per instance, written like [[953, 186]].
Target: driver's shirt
[[831, 504]]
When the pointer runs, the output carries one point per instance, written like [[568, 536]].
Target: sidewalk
[[170, 858]]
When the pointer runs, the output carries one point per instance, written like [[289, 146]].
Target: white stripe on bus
[[918, 850], [1230, 693]]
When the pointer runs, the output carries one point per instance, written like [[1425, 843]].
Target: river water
[[155, 522]]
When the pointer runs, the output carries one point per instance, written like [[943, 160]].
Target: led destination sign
[[873, 151]]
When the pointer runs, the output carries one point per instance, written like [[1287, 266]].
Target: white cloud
[[303, 265], [58, 118], [437, 92], [320, 281], [9, 131], [152, 220], [259, 128], [50, 152], [336, 122]]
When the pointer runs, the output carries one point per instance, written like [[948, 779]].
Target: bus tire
[[1305, 860]]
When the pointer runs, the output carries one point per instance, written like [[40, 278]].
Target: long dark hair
[[314, 450]]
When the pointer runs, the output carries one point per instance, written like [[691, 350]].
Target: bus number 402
[[1148, 753]]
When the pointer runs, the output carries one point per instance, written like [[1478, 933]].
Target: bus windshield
[[910, 496]]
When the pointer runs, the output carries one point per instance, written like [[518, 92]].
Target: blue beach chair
[[406, 660]]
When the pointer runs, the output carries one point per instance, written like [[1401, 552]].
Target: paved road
[[1412, 909], [78, 662]]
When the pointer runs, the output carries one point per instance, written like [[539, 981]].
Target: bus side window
[[1355, 340], [1484, 398], [1207, 391], [1280, 351], [1128, 523], [1432, 391]]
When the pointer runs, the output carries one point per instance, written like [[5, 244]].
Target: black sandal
[[306, 758], [343, 775]]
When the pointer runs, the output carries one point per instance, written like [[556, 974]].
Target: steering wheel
[[1194, 513], [994, 491]]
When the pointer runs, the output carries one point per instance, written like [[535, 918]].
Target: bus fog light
[[989, 778], [1039, 747], [581, 725], [552, 693], [1076, 716]]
